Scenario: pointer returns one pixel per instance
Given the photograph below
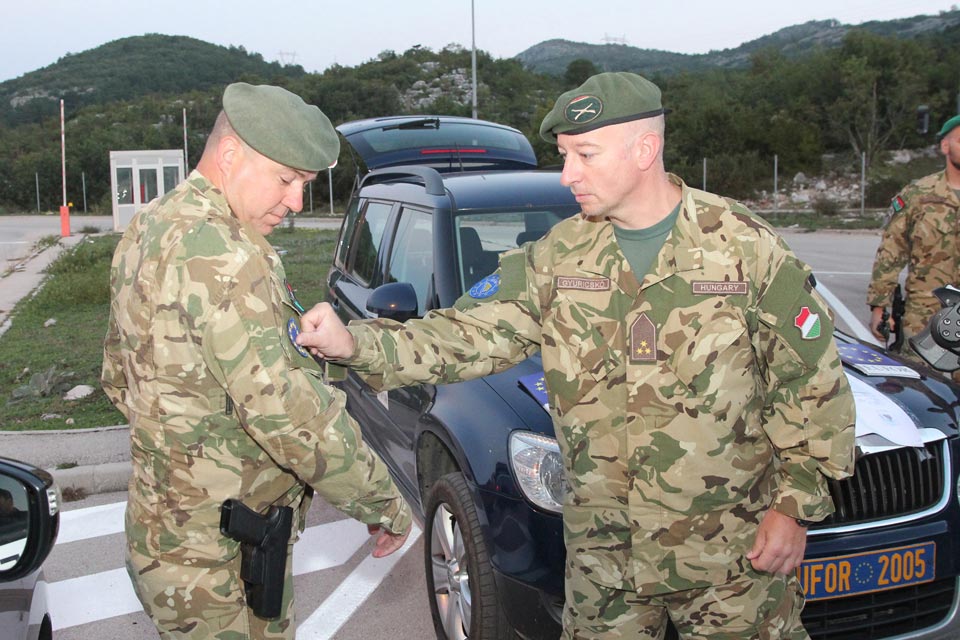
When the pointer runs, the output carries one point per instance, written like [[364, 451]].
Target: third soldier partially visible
[[694, 384], [921, 235]]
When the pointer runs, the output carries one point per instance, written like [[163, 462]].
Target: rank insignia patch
[[643, 340], [293, 331], [808, 323], [486, 287]]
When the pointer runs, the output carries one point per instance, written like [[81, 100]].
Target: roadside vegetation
[[55, 339]]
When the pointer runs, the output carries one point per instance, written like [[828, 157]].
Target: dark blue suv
[[438, 200]]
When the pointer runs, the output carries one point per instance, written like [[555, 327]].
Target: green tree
[[578, 71]]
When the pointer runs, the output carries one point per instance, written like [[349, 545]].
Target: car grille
[[880, 615], [888, 484]]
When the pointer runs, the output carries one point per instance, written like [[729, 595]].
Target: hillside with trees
[[128, 69], [816, 112]]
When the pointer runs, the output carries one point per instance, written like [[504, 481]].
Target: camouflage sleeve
[[892, 255], [113, 380], [809, 409], [299, 421], [486, 331]]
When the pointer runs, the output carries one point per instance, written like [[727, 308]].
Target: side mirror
[[394, 301], [29, 518]]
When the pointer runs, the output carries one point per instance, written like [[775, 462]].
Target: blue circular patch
[[486, 287], [293, 331]]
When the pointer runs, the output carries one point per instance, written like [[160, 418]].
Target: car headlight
[[536, 463]]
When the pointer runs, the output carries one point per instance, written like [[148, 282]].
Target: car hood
[[927, 399]]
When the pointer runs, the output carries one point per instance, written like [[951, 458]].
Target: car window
[[367, 241], [411, 259], [346, 234], [482, 237]]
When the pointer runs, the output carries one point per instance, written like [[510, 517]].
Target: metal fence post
[[776, 206], [704, 174], [330, 182], [863, 181]]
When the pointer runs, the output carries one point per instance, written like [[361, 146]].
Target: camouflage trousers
[[202, 603], [754, 606]]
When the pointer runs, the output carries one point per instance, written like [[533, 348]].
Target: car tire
[[460, 583]]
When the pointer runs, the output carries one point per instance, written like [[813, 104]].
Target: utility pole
[[473, 41]]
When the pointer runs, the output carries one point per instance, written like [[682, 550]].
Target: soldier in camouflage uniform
[[921, 234], [695, 388], [200, 357]]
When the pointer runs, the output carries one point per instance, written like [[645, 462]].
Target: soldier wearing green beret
[[921, 235], [695, 388], [200, 357]]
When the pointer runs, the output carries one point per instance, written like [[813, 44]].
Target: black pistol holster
[[263, 549]]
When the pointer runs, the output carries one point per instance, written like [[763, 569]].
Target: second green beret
[[604, 99], [948, 126]]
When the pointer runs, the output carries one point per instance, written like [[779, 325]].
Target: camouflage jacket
[[198, 358], [685, 405], [922, 235]]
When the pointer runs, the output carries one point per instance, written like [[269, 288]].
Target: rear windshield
[[452, 135]]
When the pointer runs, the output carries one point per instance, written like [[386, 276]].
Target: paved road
[[341, 592], [19, 233]]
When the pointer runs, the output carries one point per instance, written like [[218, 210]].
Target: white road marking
[[334, 612], [107, 594], [90, 598], [91, 522]]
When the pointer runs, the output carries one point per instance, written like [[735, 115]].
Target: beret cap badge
[[583, 109]]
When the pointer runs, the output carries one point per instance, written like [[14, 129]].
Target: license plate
[[858, 573]]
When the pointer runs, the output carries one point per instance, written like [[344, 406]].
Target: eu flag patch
[[536, 385]]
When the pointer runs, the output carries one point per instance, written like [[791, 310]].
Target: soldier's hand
[[876, 318], [779, 545], [322, 332], [387, 542]]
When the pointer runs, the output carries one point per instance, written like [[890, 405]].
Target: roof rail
[[431, 178]]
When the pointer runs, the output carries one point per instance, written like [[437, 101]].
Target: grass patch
[[48, 241], [77, 294]]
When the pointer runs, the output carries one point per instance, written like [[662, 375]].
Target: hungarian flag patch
[[897, 204], [808, 323]]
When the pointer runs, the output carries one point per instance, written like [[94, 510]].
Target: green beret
[[281, 126], [948, 126], [604, 99]]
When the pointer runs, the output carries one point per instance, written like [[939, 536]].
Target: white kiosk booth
[[137, 177]]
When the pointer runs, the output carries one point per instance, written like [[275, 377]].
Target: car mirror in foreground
[[394, 301], [29, 518]]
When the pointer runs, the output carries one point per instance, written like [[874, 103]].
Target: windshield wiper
[[423, 123]]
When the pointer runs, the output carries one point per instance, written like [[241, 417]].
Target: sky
[[315, 35]]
